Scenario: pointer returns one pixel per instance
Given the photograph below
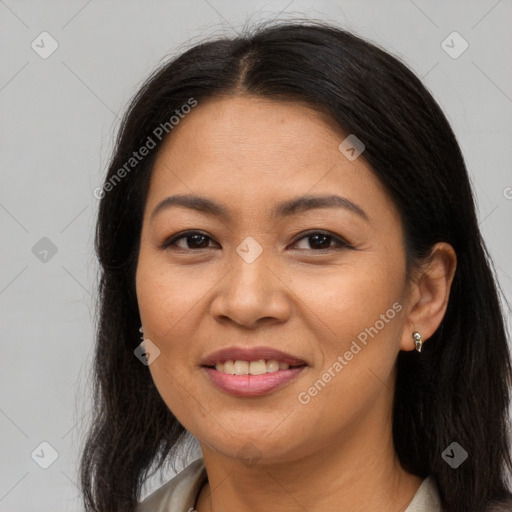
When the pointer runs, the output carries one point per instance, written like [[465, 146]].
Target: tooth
[[258, 367], [272, 366], [229, 367], [251, 368], [241, 368]]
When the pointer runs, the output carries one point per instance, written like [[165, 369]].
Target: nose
[[252, 294]]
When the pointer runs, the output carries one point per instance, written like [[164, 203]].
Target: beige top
[[180, 493]]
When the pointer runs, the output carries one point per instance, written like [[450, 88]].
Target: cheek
[[168, 298], [357, 321], [169, 304], [345, 300], [355, 314]]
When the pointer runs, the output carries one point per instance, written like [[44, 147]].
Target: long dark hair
[[456, 390]]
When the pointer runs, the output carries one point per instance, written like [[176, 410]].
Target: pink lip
[[252, 385], [250, 354]]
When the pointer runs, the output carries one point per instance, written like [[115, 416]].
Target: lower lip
[[252, 385]]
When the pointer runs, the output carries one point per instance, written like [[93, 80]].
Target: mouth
[[251, 361], [252, 372]]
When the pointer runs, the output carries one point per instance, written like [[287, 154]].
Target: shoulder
[[427, 497], [179, 493]]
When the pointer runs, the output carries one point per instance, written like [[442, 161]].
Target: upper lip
[[250, 354]]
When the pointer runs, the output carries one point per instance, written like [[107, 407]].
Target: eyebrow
[[284, 209]]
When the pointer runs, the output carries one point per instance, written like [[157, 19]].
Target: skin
[[335, 452]]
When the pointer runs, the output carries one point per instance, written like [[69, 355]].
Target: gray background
[[59, 116]]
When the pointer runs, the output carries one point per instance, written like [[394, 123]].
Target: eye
[[194, 240], [321, 241], [318, 240]]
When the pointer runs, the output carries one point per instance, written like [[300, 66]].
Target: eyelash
[[341, 243]]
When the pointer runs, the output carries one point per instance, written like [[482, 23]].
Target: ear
[[429, 291]]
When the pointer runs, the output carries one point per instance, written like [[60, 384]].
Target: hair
[[456, 390]]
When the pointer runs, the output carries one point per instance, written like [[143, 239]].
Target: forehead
[[252, 150], [223, 126]]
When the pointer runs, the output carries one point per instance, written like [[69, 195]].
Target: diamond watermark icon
[[44, 45], [147, 352], [351, 147], [454, 455], [249, 249], [249, 454], [44, 250], [44, 455], [454, 45]]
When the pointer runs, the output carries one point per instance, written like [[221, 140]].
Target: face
[[319, 288]]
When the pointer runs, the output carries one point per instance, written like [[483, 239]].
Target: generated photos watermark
[[137, 156], [304, 397]]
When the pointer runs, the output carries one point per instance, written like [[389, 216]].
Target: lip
[[250, 354], [252, 385]]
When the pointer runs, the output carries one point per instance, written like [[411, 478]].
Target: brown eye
[[193, 240], [320, 240]]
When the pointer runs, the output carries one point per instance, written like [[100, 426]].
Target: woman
[[288, 221]]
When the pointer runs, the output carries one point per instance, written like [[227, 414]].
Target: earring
[[141, 330], [417, 340]]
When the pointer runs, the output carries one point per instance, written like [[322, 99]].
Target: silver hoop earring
[[418, 342]]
